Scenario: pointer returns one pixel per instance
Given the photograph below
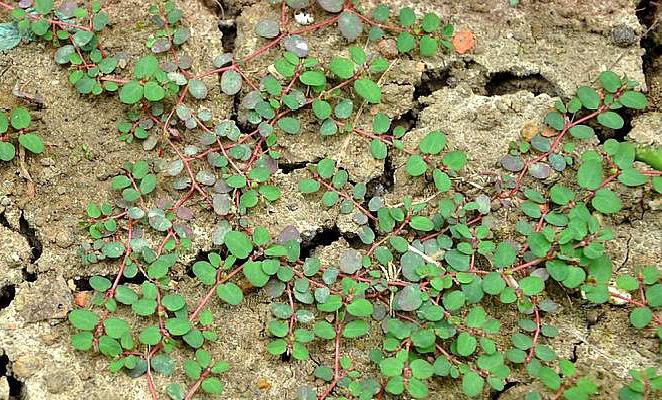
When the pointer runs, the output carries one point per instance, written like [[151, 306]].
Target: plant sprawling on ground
[[429, 271]]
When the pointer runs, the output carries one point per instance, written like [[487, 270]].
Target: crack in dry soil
[[507, 82], [15, 385]]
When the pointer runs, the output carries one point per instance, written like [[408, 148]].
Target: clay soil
[[525, 57]]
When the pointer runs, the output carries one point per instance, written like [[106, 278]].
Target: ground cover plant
[[428, 275]]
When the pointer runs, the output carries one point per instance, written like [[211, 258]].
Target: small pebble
[[623, 36], [388, 48], [263, 384], [303, 18]]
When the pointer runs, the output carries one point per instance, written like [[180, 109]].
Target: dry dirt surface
[[525, 58]]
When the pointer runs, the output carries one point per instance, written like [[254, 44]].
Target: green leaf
[[39, 27], [632, 99], [441, 181], [549, 378], [173, 302], [4, 123], [125, 295], [421, 369], [230, 293], [231, 82], [120, 182], [313, 78], [175, 391], [163, 364], [493, 283], [431, 22], [582, 132], [465, 344], [81, 38], [360, 308], [7, 151], [31, 142], [153, 91], [100, 283], [416, 165], [532, 285], [212, 385], [43, 6], [289, 125], [640, 317], [205, 272], [116, 327], [391, 367], [350, 26], [505, 255], [408, 298], [590, 175], [555, 120], [610, 81], [428, 46], [632, 177], [150, 335], [433, 143], [424, 337], [267, 28], [407, 17], [606, 201], [198, 89], [405, 42], [307, 186], [561, 195], [220, 367], [239, 244], [455, 160], [381, 12], [344, 109], [10, 35], [82, 341], [326, 168], [84, 320], [148, 184], [611, 120], [381, 123], [589, 97], [417, 389], [342, 67], [254, 272], [654, 295], [368, 90], [324, 330], [355, 329], [109, 346], [453, 300], [178, 326], [20, 118], [113, 249], [458, 261], [472, 384], [146, 67], [277, 347], [321, 109], [421, 223], [131, 92]]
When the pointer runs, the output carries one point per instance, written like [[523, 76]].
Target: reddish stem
[[536, 334], [111, 292], [336, 362], [194, 316], [194, 388]]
